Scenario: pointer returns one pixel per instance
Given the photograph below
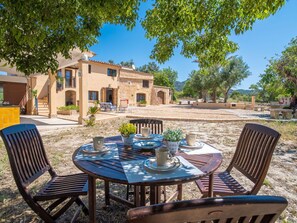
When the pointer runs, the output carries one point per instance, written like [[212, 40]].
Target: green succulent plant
[[127, 129], [173, 135]]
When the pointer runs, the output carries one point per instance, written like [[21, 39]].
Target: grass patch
[[288, 130], [4, 163], [4, 197], [56, 158], [267, 183]]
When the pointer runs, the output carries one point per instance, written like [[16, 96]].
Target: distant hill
[[179, 85], [242, 91]]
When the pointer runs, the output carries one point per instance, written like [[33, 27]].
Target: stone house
[[82, 81]]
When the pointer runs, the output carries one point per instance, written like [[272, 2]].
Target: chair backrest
[[155, 125], [253, 153], [26, 155], [248, 208]]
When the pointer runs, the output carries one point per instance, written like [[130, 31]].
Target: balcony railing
[[70, 83]]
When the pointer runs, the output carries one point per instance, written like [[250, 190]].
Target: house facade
[[85, 81], [106, 83]]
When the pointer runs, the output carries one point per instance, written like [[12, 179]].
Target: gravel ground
[[61, 143]]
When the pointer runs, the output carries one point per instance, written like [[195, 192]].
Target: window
[[69, 80], [111, 72], [140, 97], [90, 68], [1, 93], [93, 95], [60, 81], [145, 84]]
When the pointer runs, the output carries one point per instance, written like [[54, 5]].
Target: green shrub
[[90, 122], [68, 107], [142, 102]]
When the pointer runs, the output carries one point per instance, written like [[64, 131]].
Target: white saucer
[[198, 145], [91, 151], [150, 164], [139, 136]]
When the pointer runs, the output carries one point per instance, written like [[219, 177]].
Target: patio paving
[[45, 123]]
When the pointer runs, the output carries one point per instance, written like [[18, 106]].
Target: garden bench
[[286, 113]]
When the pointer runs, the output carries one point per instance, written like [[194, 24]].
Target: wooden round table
[[111, 170]]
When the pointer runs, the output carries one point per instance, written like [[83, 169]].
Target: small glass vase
[[127, 140], [173, 147]]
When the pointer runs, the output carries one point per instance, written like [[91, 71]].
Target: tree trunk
[[225, 97], [214, 96]]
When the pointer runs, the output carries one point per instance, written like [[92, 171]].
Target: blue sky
[[267, 38]]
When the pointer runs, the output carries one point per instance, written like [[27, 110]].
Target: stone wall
[[219, 105], [161, 95]]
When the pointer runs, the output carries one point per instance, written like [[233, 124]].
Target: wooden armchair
[[28, 162], [155, 125], [252, 158], [252, 209]]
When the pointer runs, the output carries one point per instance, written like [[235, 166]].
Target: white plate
[[198, 145], [90, 150], [150, 164], [139, 136]]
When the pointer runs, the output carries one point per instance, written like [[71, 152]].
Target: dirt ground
[[61, 143]]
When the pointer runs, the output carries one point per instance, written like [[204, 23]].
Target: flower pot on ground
[[93, 109], [173, 138], [127, 131], [91, 121]]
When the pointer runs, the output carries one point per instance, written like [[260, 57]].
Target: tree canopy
[[217, 79], [151, 68], [33, 33], [129, 63], [202, 28], [272, 86], [286, 65], [280, 76], [232, 74]]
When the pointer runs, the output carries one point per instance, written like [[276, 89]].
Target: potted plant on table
[[173, 138], [127, 131]]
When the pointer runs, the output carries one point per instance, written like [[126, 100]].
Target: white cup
[[145, 131], [191, 138], [98, 143], [162, 156]]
